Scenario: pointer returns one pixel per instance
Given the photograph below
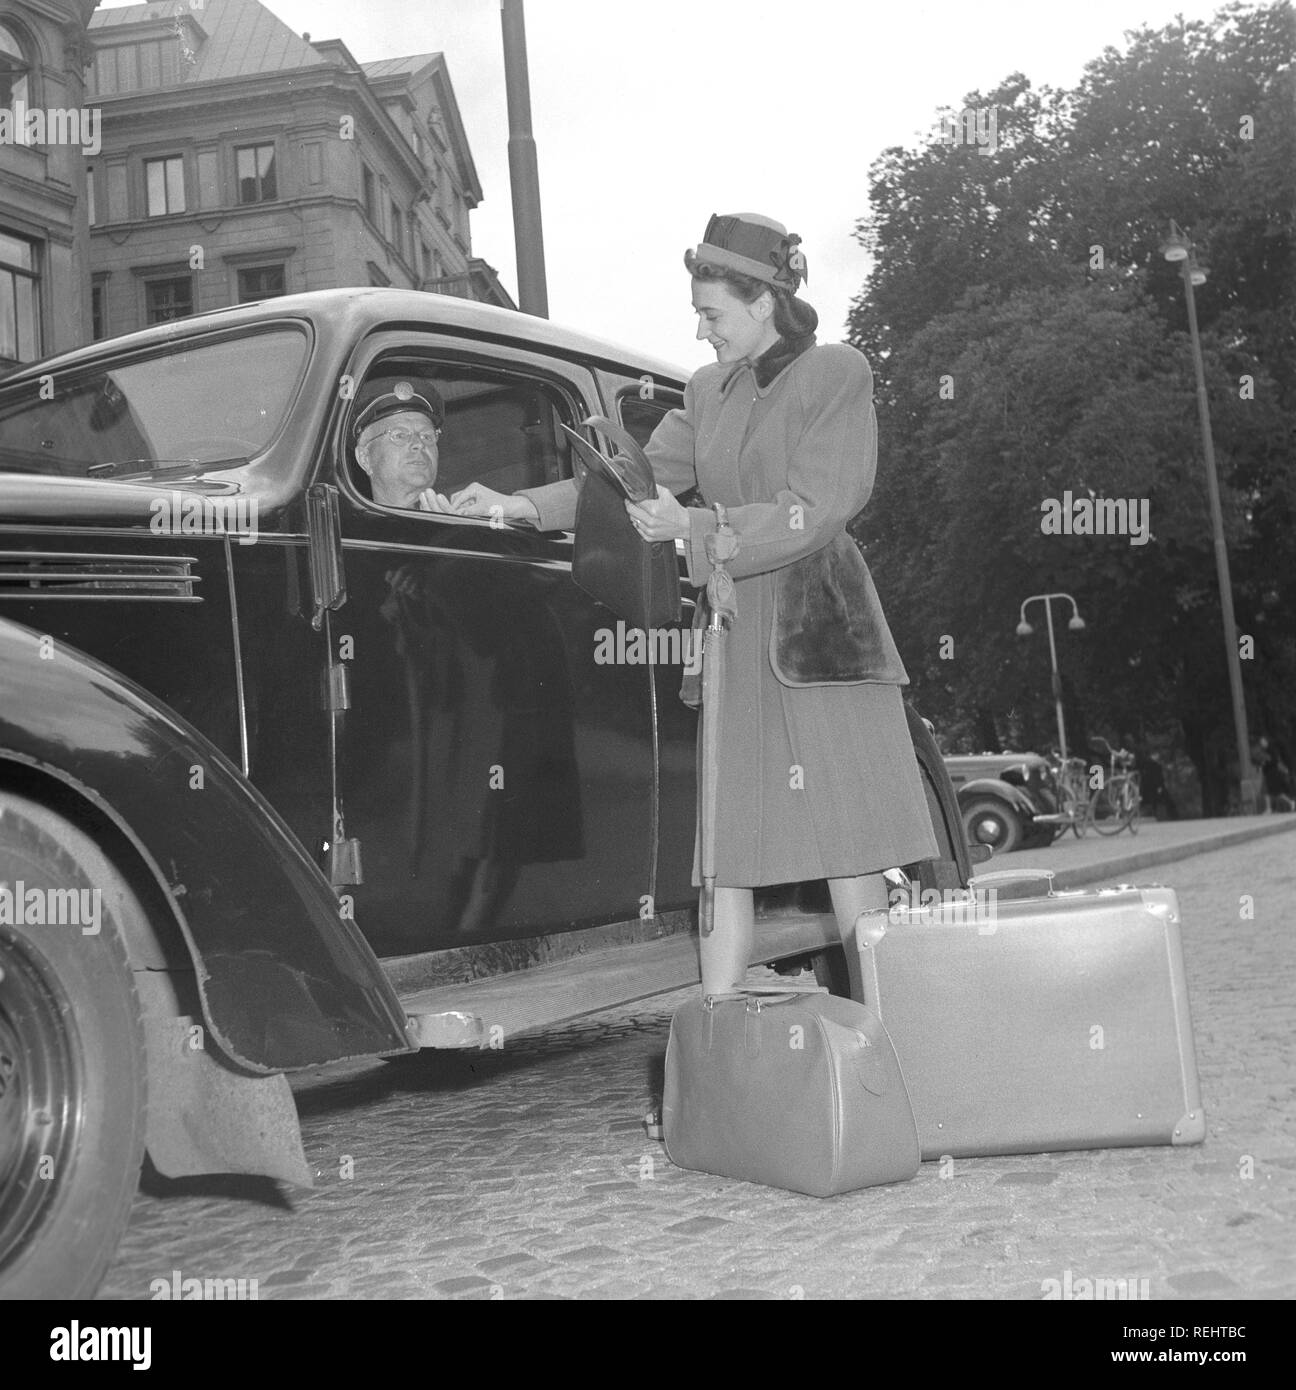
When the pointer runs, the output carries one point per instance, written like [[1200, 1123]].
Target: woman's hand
[[659, 518], [479, 500]]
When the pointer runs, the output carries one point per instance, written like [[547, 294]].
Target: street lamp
[[1076, 624], [524, 176], [1177, 248]]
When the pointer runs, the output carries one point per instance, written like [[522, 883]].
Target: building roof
[[399, 67], [242, 37]]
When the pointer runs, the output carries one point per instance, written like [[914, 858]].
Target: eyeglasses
[[401, 436]]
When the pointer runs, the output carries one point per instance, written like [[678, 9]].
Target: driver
[[396, 438]]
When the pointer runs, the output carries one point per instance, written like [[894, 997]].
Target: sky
[[650, 117]]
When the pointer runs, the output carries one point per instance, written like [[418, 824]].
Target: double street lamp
[[1076, 624], [1177, 248]]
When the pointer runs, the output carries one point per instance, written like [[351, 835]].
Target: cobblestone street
[[527, 1173]]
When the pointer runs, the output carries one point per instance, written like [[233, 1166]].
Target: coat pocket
[[829, 628]]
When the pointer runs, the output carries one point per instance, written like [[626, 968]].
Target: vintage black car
[[1008, 800], [288, 777]]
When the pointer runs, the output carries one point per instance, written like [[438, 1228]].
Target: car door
[[497, 775], [639, 405]]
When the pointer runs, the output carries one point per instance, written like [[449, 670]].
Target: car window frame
[[564, 376]]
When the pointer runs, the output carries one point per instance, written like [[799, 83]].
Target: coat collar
[[773, 356]]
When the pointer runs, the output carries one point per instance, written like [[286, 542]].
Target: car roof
[[360, 310]]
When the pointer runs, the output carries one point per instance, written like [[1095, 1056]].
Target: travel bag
[[1034, 1024], [790, 1088]]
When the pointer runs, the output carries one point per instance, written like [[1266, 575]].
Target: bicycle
[[1072, 781], [1116, 804]]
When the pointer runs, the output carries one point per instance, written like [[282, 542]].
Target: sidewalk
[[1097, 857]]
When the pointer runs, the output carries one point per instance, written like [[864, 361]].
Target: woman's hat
[[398, 398], [752, 245]]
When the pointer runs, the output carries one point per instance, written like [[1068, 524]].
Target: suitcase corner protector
[[1191, 1129]]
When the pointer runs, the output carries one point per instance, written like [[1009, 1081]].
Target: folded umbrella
[[722, 603]]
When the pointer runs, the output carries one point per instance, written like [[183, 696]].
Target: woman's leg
[[850, 897], [726, 952]]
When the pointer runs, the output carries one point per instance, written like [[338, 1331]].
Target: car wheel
[[72, 1062], [989, 821]]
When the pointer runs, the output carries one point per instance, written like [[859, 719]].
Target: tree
[[1030, 278]]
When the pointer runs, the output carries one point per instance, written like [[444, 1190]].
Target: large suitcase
[[1034, 1024], [793, 1089]]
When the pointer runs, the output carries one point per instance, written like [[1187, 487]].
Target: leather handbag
[[793, 1089], [637, 579], [829, 628]]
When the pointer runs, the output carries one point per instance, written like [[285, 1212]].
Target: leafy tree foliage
[[1028, 339]]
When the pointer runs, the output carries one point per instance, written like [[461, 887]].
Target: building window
[[367, 193], [261, 282], [425, 261], [164, 182], [397, 230], [168, 299], [256, 173], [13, 70], [133, 67], [19, 299], [90, 195], [98, 310]]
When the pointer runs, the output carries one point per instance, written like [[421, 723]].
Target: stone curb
[[1123, 864]]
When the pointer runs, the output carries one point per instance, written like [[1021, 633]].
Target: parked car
[[288, 777], [1008, 800]]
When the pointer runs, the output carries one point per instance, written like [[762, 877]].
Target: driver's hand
[[432, 501]]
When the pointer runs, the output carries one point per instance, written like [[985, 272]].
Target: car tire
[[73, 1081], [989, 821]]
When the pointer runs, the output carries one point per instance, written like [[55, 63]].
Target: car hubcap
[[989, 830], [39, 1093]]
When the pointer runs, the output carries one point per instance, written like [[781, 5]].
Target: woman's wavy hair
[[794, 319]]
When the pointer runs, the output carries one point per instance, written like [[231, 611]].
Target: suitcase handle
[[760, 994], [1006, 875]]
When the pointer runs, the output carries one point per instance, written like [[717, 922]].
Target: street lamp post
[[1178, 248], [533, 295], [1076, 624]]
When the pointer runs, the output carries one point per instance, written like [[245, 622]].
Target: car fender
[[284, 979], [1016, 797]]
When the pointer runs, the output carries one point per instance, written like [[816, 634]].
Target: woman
[[818, 774]]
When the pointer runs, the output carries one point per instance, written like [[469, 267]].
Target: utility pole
[[524, 175]]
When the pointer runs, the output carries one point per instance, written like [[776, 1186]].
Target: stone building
[[241, 160], [46, 135]]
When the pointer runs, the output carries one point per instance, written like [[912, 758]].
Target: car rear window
[[203, 403]]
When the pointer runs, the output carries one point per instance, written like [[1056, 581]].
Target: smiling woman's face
[[736, 330]]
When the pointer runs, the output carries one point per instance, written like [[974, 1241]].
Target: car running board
[[487, 1013]]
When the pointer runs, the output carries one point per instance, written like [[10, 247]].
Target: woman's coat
[[817, 781]]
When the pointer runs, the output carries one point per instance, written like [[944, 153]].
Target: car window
[[198, 401], [501, 428]]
